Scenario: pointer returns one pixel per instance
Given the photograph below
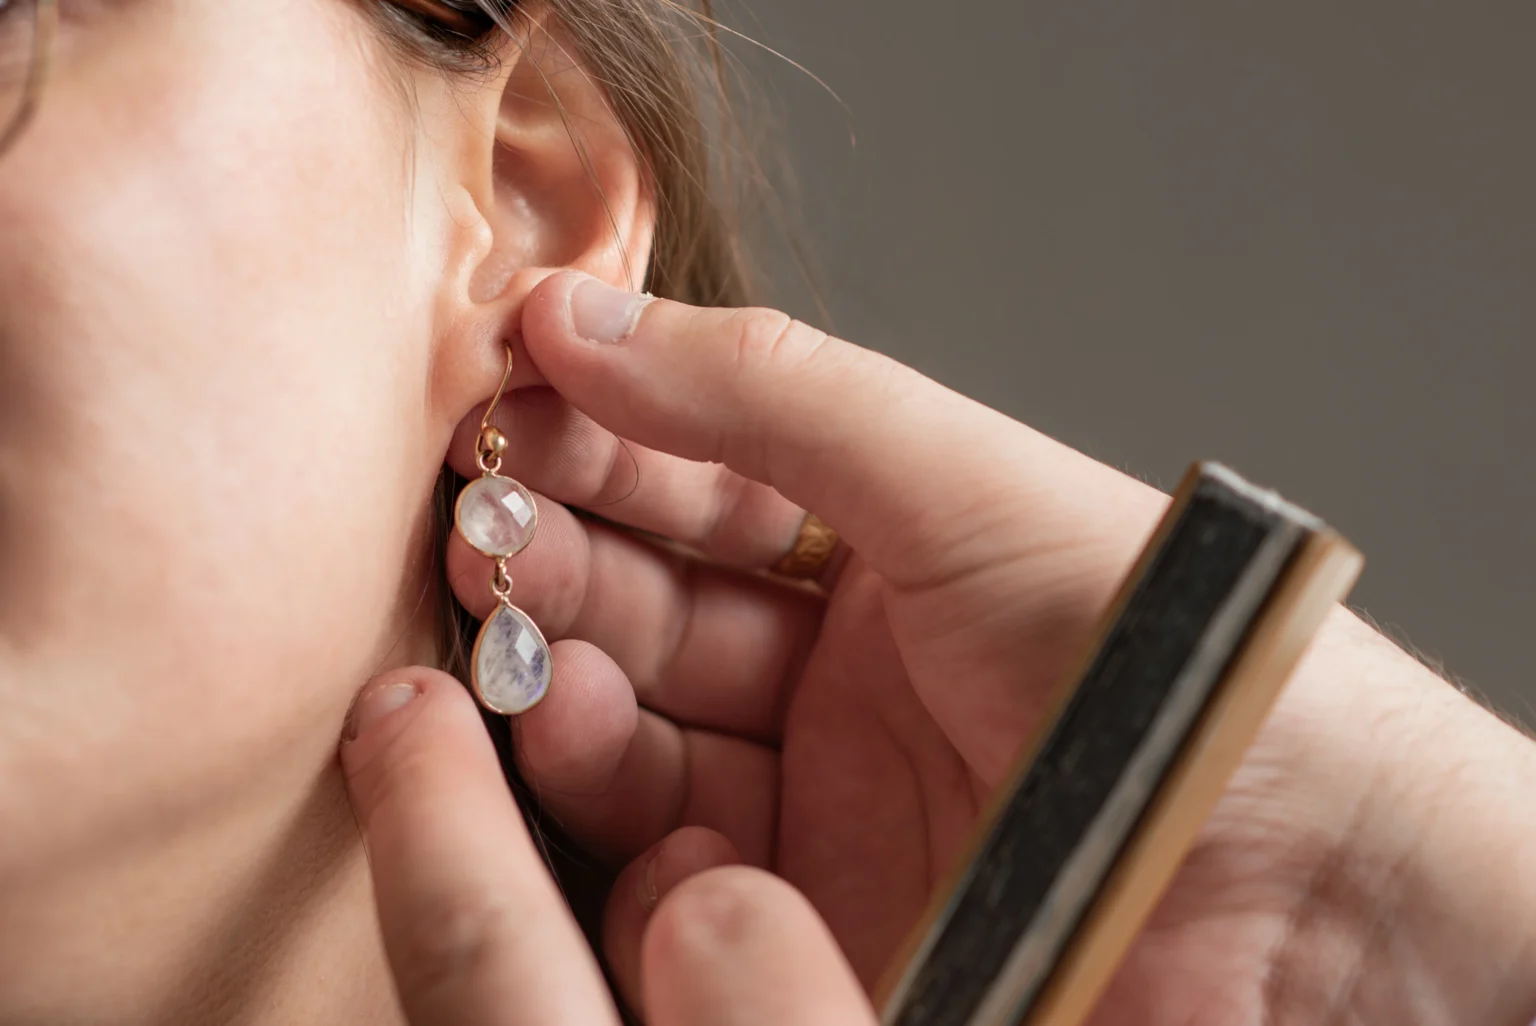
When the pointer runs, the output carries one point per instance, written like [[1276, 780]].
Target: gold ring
[[812, 552]]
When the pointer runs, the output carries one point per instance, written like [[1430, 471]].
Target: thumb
[[740, 947], [913, 475], [475, 928]]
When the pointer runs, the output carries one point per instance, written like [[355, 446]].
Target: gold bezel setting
[[458, 520], [474, 661], [516, 661]]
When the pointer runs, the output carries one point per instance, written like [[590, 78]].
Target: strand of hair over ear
[[634, 485]]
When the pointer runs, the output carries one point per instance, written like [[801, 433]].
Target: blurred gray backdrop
[[1299, 238]]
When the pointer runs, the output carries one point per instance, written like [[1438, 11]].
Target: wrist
[[1419, 904]]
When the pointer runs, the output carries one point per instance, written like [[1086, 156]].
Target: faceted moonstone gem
[[496, 515], [511, 662]]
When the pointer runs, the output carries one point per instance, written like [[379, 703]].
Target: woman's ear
[[540, 175], [565, 184]]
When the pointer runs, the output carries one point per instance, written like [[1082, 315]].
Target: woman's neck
[[241, 897], [261, 915]]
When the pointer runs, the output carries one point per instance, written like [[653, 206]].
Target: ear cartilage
[[1137, 747]]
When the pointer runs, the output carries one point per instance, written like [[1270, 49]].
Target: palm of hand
[[859, 778], [884, 772]]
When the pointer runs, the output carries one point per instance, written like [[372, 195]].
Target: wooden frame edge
[[1321, 575]]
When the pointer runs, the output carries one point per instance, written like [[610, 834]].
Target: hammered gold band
[[812, 552]]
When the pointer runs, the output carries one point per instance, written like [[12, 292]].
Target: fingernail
[[375, 702], [602, 313], [688, 852], [647, 886]]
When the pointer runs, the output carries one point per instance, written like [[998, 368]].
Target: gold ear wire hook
[[501, 389], [492, 443]]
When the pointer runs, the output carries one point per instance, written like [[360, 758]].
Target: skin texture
[[1318, 893], [246, 295], [255, 274]]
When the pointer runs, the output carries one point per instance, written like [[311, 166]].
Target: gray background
[[1296, 237]]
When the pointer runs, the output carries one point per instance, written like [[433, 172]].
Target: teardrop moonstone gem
[[510, 664], [496, 515]]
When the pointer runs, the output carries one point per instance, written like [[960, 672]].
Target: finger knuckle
[[386, 779], [585, 457], [719, 909], [767, 338], [451, 942], [728, 496]]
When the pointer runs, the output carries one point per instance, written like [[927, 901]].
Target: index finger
[[476, 932], [914, 476]]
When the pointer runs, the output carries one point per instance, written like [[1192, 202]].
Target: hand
[[847, 743], [477, 933]]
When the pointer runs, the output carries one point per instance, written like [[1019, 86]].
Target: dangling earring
[[510, 666]]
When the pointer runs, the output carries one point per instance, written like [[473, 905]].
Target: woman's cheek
[[221, 489]]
